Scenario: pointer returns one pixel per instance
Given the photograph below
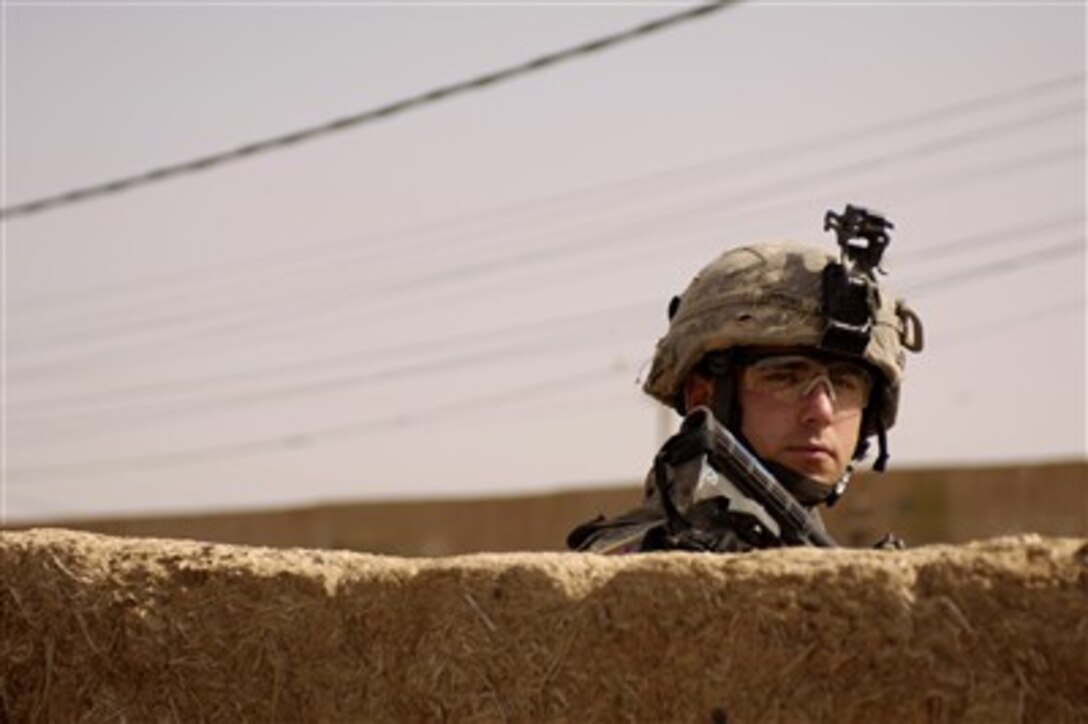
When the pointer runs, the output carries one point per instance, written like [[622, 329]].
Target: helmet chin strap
[[809, 491], [882, 459]]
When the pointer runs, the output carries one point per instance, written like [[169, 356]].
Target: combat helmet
[[785, 294]]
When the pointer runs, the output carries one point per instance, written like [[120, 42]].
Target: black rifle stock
[[734, 461]]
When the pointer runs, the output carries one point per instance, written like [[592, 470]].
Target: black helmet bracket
[[850, 297], [849, 286]]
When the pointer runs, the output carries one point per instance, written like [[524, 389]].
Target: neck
[[809, 492]]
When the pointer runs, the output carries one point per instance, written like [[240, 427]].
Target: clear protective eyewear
[[792, 378]]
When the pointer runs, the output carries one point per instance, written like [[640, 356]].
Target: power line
[[341, 124], [281, 443], [545, 341], [969, 334], [980, 331], [994, 236], [974, 241], [996, 268], [929, 147], [231, 320], [441, 412], [987, 239], [670, 178], [1003, 266]]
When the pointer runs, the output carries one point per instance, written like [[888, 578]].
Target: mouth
[[813, 451]]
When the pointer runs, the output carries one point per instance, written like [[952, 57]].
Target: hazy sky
[[462, 299]]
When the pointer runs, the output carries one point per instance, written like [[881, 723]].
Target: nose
[[818, 400]]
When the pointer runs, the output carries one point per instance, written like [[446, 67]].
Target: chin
[[814, 469]]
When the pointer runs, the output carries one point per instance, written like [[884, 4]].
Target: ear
[[698, 390]]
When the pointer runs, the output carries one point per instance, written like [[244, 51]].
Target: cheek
[[762, 424], [848, 431], [757, 438]]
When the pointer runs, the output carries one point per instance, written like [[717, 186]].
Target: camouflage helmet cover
[[770, 294]]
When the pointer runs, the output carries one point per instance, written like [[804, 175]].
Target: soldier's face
[[813, 431]]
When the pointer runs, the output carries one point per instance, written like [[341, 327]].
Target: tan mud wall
[[939, 505], [104, 629]]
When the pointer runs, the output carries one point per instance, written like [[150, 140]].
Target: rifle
[[735, 481]]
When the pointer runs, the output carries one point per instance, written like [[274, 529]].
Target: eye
[[783, 376], [850, 379]]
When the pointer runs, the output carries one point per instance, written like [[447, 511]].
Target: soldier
[[797, 352]]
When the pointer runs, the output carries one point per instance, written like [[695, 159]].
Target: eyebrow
[[786, 361]]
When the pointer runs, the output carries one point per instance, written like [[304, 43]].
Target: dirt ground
[[94, 628]]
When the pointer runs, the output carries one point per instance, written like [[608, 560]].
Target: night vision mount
[[862, 237], [849, 286]]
